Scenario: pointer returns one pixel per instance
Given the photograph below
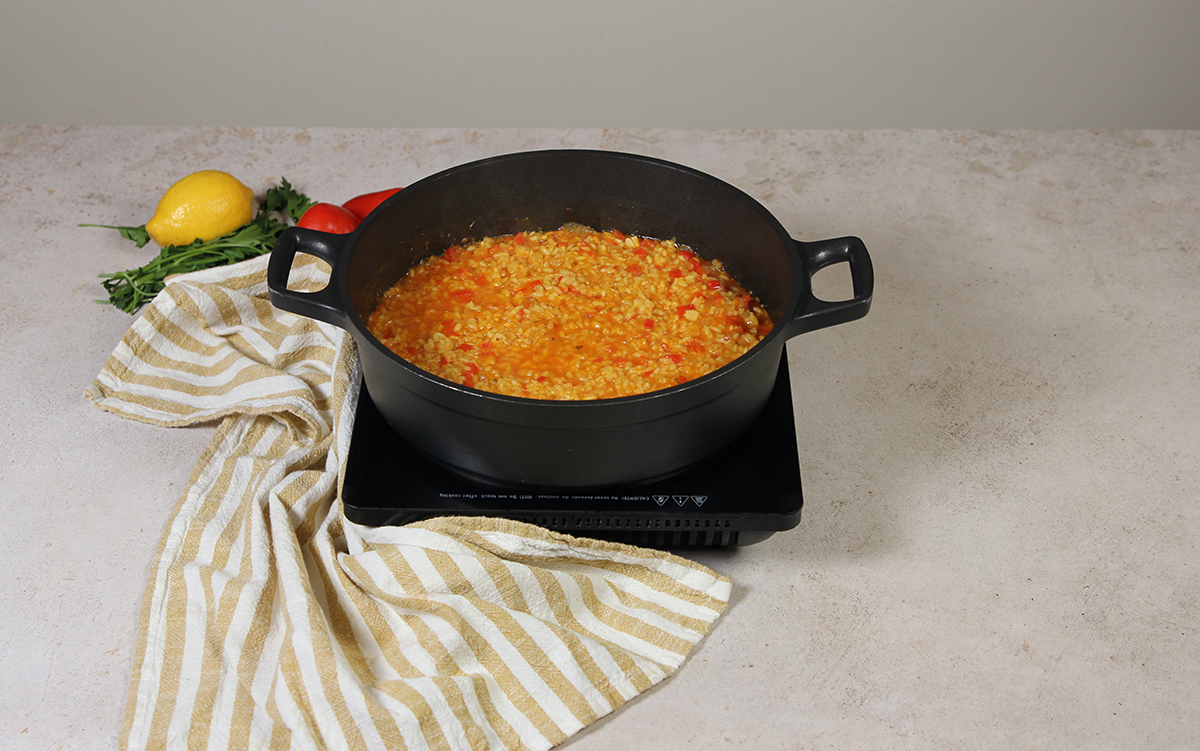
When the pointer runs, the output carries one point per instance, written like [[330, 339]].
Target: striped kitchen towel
[[271, 621]]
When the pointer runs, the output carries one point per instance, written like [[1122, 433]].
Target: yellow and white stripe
[[273, 622]]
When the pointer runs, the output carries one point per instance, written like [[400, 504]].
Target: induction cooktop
[[743, 494]]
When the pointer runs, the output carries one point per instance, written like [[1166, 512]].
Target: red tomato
[[362, 205], [328, 217]]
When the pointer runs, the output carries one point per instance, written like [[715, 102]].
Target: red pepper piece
[[470, 370]]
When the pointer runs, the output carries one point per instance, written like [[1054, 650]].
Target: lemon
[[204, 205]]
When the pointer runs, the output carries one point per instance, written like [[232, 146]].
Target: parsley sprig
[[130, 290]]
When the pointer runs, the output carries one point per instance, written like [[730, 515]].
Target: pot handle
[[814, 313], [324, 304]]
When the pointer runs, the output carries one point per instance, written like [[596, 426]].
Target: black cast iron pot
[[577, 444]]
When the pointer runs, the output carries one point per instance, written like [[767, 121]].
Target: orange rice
[[569, 314]]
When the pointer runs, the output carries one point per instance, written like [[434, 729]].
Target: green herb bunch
[[130, 290]]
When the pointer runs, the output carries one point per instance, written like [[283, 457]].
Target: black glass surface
[[741, 495]]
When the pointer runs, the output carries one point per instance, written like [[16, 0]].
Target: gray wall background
[[608, 63]]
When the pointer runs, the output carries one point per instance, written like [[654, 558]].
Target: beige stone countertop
[[1000, 544]]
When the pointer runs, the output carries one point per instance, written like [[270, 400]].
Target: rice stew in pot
[[569, 314]]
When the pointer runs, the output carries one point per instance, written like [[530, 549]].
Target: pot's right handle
[[324, 304], [814, 313]]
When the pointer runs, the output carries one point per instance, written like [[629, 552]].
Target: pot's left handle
[[815, 313], [323, 305]]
